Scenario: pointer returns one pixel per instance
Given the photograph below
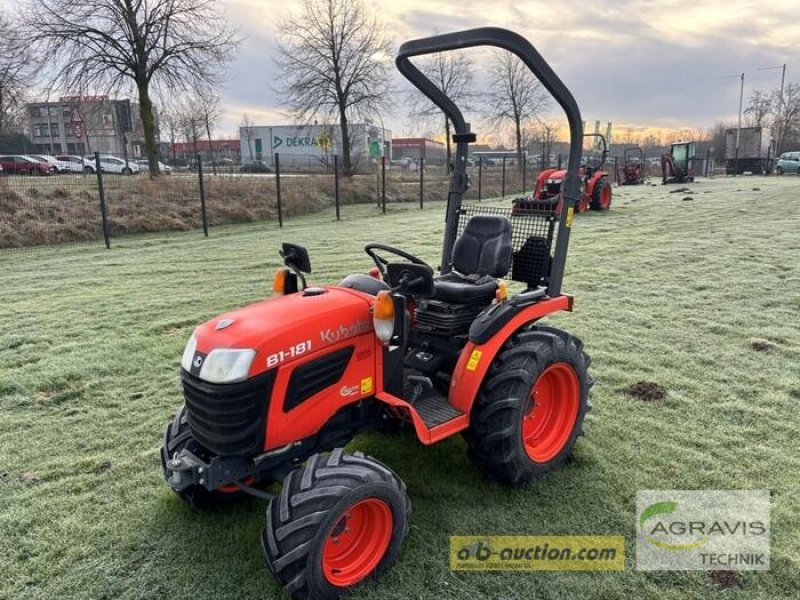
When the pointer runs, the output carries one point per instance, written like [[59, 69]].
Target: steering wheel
[[381, 262]]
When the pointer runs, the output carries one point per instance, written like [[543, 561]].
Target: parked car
[[21, 164], [144, 166], [258, 166], [59, 165], [112, 164], [789, 162], [225, 163], [78, 163]]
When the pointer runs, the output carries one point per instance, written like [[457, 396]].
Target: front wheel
[[88, 170], [531, 407], [779, 171], [339, 520], [127, 171]]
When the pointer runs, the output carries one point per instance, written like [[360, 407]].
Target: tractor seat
[[480, 255]]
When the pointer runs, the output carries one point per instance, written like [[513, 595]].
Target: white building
[[313, 147]]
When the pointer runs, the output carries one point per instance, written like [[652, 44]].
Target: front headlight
[[188, 353], [225, 365]]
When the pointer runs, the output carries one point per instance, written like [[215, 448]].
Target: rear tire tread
[[493, 438]]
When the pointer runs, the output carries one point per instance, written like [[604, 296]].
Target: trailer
[[754, 153]]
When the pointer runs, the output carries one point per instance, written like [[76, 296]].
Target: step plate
[[435, 409]]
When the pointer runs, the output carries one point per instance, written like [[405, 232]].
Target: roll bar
[[604, 151], [463, 136]]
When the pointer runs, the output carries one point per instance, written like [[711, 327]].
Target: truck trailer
[[756, 151]]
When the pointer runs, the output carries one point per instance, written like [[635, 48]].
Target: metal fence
[[98, 206]]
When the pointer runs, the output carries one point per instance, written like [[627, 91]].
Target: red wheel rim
[[357, 542], [548, 423], [605, 197]]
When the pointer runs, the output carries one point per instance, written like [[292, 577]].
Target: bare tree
[[115, 44], [717, 137], [515, 96], [16, 71], [759, 107], [452, 73], [787, 115], [249, 132], [170, 119], [329, 59], [209, 111]]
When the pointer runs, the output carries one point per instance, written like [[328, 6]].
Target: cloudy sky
[[638, 63], [634, 62]]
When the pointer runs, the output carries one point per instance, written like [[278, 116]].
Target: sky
[[637, 63]]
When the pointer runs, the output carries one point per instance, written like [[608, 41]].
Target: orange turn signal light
[[502, 290], [383, 316], [279, 283]]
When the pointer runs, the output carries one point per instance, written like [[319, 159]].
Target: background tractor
[[275, 390], [631, 172], [595, 191], [678, 165]]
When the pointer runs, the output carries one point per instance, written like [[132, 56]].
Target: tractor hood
[[285, 327]]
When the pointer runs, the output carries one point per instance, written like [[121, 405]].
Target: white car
[[112, 164], [59, 166], [78, 163], [145, 166]]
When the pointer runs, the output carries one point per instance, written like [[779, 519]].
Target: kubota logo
[[330, 336]]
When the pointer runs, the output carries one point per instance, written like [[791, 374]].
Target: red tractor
[[595, 190], [632, 170], [275, 390]]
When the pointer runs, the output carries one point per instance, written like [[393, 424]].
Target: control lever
[[421, 383]]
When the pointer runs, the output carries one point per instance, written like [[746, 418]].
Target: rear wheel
[[531, 407], [601, 195], [179, 436], [339, 520], [88, 170]]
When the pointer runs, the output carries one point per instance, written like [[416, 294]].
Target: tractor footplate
[[434, 408]]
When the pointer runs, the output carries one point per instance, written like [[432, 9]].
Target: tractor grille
[[228, 419], [532, 236]]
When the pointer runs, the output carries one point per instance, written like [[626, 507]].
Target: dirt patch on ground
[[647, 391], [761, 345], [101, 468], [725, 580]]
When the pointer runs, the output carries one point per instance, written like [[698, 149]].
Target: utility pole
[[739, 125]]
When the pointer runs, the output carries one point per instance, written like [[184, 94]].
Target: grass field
[[701, 297]]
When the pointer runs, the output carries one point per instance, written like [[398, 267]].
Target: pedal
[[421, 383]]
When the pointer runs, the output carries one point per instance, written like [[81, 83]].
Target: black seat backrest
[[484, 248]]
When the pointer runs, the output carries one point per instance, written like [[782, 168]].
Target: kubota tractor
[[632, 170], [595, 190], [275, 390], [678, 165]]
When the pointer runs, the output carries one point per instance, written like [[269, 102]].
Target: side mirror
[[296, 257], [410, 279]]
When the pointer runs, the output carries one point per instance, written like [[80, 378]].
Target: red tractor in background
[[595, 190], [275, 390], [678, 165], [632, 170]]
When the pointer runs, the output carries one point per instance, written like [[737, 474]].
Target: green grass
[[668, 291]]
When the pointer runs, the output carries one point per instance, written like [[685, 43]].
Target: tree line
[[333, 63]]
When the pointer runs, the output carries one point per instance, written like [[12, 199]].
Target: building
[[432, 151], [185, 152], [313, 147], [85, 124]]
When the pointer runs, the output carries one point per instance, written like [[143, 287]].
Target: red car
[[20, 164]]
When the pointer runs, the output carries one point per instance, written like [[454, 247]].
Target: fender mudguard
[[489, 335]]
